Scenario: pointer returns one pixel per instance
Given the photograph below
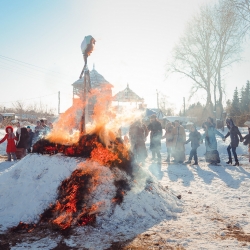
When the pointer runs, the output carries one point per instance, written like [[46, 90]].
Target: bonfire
[[101, 146]]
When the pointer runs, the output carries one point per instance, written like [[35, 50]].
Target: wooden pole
[[184, 104], [157, 96], [58, 102]]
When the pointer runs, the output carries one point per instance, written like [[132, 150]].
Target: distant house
[[158, 112], [127, 95], [25, 117], [9, 116], [186, 121], [154, 111]]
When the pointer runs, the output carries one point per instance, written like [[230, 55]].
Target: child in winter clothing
[[195, 138], [11, 146], [247, 141]]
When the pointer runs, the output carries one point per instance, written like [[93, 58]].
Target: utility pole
[[58, 102], [157, 96], [184, 106]]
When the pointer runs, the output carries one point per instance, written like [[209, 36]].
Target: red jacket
[[10, 137]]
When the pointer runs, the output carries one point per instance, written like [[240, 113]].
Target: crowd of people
[[19, 144], [175, 137]]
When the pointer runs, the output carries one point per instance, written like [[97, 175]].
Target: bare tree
[[165, 105], [194, 55], [33, 111], [243, 10], [211, 43], [19, 107], [228, 36]]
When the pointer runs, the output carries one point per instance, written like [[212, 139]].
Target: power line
[[29, 64], [27, 72], [30, 98]]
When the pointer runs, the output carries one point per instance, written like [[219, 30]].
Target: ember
[[23, 226], [90, 146], [70, 207]]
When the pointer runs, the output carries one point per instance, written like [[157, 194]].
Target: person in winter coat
[[247, 141], [155, 129], [195, 138], [30, 140], [178, 142], [212, 155], [210, 120], [23, 139], [45, 128], [38, 131], [235, 136], [18, 127], [11, 146], [137, 137], [169, 139]]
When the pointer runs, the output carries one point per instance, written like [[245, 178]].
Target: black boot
[[230, 161], [236, 163], [196, 163], [168, 159]]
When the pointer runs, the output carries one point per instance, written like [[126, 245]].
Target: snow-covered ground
[[213, 211]]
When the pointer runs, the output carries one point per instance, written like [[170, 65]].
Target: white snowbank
[[30, 185], [212, 197]]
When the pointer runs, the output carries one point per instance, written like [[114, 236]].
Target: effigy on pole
[[87, 48]]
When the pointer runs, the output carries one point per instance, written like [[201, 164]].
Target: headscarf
[[230, 123]]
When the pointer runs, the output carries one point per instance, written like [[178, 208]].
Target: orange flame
[[71, 207]]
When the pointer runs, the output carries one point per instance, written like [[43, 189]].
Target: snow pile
[[30, 186], [2, 145]]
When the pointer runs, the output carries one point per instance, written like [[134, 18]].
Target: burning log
[[90, 146], [70, 206], [23, 227], [81, 149]]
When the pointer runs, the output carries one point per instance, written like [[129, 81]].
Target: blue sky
[[134, 42]]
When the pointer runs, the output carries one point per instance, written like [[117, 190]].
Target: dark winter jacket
[[38, 130], [23, 138], [155, 129], [195, 138], [234, 133], [246, 138], [31, 136]]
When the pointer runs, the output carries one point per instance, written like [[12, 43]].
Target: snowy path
[[215, 205], [215, 200]]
